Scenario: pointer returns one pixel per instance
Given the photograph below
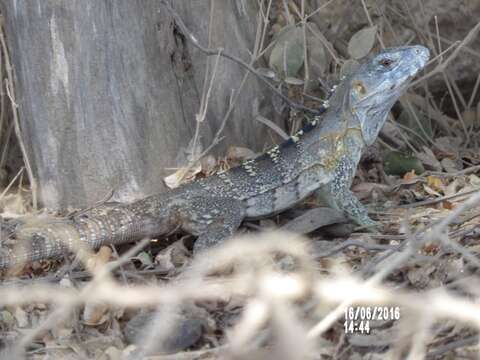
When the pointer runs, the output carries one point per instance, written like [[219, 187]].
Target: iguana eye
[[386, 62]]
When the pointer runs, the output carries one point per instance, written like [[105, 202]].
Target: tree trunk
[[108, 91]]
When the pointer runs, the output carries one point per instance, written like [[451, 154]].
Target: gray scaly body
[[322, 159]]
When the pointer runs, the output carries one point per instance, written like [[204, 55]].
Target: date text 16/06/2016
[[357, 319]]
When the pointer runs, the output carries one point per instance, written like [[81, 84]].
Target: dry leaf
[[431, 248], [173, 256], [113, 353], [94, 313], [13, 205], [409, 176], [21, 317], [474, 180], [208, 164], [450, 165], [313, 219], [181, 176], [429, 160], [100, 259], [7, 319], [448, 205], [452, 188], [435, 183], [239, 153], [448, 145], [420, 276], [430, 191], [268, 224], [365, 189]]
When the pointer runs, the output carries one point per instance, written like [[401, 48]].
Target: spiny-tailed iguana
[[321, 158]]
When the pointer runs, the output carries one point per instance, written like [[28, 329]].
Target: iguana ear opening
[[359, 88]]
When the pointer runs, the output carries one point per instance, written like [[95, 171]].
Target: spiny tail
[[111, 224]]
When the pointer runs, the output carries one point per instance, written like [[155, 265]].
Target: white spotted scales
[[321, 158]]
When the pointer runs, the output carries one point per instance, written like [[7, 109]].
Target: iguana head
[[378, 83]]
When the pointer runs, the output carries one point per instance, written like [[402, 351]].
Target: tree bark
[[108, 92]]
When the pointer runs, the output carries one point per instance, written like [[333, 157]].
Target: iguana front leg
[[345, 201], [212, 219], [337, 195]]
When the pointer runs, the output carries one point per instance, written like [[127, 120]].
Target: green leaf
[[287, 55], [397, 163], [144, 258], [268, 73], [293, 81], [318, 56], [362, 42], [349, 67]]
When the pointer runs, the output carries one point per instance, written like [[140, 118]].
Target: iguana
[[321, 158]]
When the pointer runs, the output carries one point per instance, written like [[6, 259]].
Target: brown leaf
[[448, 205], [430, 248], [101, 257], [409, 176], [238, 153], [172, 257], [208, 164], [95, 313]]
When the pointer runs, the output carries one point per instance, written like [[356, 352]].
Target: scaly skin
[[321, 158]]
